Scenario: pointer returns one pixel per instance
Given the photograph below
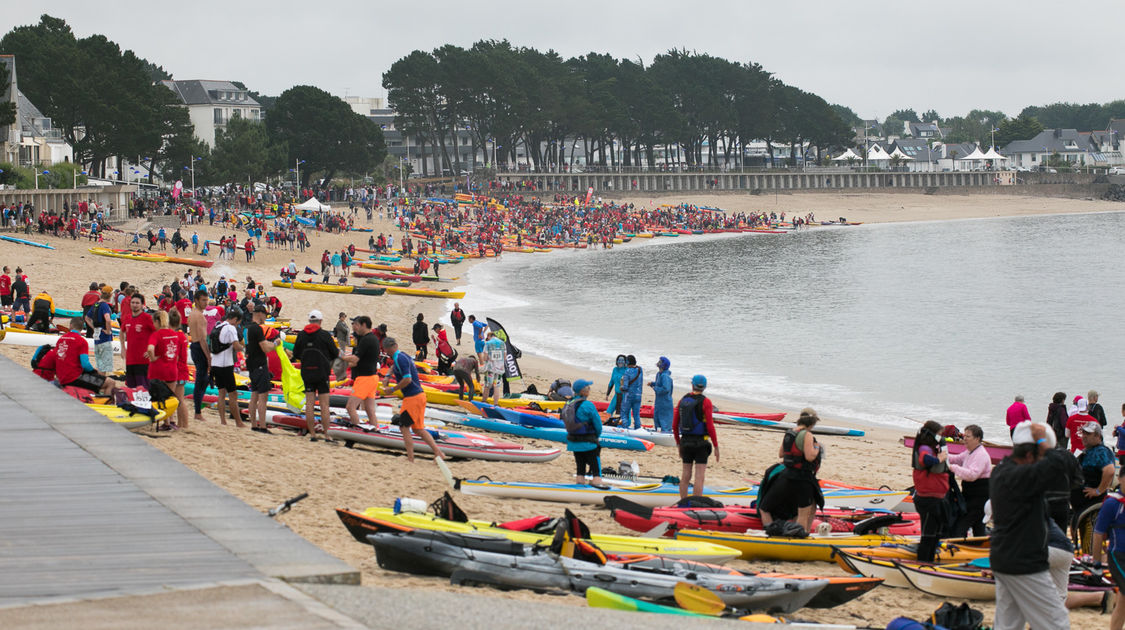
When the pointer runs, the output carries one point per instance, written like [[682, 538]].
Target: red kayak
[[739, 519], [646, 412], [382, 275]]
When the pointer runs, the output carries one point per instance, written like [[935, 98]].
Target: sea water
[[886, 324]]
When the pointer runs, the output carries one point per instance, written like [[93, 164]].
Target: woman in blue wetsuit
[[614, 408]]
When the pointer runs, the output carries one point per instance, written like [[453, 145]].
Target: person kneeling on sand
[[412, 413], [791, 490], [583, 430]]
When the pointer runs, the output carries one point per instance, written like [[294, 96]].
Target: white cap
[[315, 316], [1081, 405], [1021, 434]]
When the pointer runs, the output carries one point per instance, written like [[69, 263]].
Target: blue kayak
[[22, 241], [621, 442]]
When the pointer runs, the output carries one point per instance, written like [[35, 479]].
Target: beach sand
[[263, 470]]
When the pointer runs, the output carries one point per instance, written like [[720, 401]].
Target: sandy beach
[[263, 470]]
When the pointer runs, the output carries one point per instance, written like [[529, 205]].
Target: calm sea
[[874, 323]]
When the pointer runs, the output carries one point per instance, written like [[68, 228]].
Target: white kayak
[[22, 338]]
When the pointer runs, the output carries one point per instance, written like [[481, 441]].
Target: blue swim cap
[[699, 381]]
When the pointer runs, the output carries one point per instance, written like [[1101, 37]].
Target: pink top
[[1017, 413], [971, 465]]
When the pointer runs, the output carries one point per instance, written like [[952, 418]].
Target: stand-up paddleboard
[[22, 241]]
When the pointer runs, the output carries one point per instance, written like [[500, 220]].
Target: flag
[[589, 195], [291, 383], [512, 368]]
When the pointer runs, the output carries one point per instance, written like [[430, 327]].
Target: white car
[[1117, 170]]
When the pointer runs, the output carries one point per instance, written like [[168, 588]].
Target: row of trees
[[108, 103], [697, 109]]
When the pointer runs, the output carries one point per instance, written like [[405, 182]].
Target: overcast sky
[[874, 57]]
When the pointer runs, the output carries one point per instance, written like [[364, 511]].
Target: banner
[[589, 195], [512, 368]]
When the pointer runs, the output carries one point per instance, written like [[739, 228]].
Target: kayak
[[996, 452], [128, 419], [437, 397], [816, 547], [312, 286], [600, 598], [531, 418], [368, 290], [966, 581], [950, 550], [23, 241], [359, 273], [658, 494], [623, 442], [374, 519], [480, 560], [195, 262], [113, 253], [882, 568], [35, 339], [451, 444], [821, 429], [435, 293], [740, 519], [388, 283]]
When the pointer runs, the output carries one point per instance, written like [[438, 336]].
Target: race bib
[[142, 400]]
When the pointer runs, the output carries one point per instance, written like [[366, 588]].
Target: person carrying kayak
[[662, 387], [583, 429], [694, 430], [614, 408]]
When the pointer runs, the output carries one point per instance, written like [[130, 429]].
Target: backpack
[[692, 423], [957, 617], [38, 355], [213, 342], [575, 430], [313, 362]]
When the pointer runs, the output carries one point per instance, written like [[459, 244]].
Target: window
[[218, 115]]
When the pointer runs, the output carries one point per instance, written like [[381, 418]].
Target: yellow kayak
[[699, 551], [127, 419], [147, 257], [814, 548], [442, 293], [312, 286]]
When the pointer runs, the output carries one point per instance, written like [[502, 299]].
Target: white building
[[211, 104], [32, 139], [365, 105]]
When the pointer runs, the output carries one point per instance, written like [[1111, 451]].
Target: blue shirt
[[586, 413], [1111, 523], [478, 330], [1097, 458], [404, 367]]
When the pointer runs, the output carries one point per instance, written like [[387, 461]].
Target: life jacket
[[576, 430], [916, 462], [691, 415], [794, 452]]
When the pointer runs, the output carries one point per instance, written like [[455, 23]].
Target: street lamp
[[298, 171], [193, 161], [76, 178], [37, 174], [994, 130]]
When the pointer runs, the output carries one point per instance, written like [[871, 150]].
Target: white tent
[[312, 205], [847, 155], [993, 155], [975, 155], [897, 153], [876, 153]]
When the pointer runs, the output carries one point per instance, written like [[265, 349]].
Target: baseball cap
[[1081, 404], [699, 381], [581, 384], [1091, 427], [315, 315]]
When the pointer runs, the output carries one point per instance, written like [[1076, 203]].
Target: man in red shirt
[[89, 299], [6, 288], [136, 326], [1074, 424], [72, 362]]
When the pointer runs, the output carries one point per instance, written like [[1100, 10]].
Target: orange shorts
[[365, 387], [415, 406]]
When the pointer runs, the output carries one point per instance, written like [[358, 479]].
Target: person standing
[[421, 337], [315, 349], [931, 485], [136, 326], [694, 432], [101, 317], [494, 368], [222, 365], [1110, 526], [21, 293], [364, 361], [200, 350], [1096, 463], [257, 349], [457, 318], [614, 407], [583, 430], [1075, 423], [1018, 553], [89, 299], [6, 288], [631, 385], [412, 412], [163, 354], [444, 352], [479, 328], [661, 385], [1095, 409], [343, 334], [973, 466], [1057, 417], [1017, 413]]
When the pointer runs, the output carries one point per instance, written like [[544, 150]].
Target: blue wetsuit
[[631, 383], [662, 408]]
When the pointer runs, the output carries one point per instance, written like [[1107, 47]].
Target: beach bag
[[902, 623], [699, 502], [957, 617]]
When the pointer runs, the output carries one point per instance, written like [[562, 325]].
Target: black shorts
[[1116, 563], [260, 380], [6, 300], [88, 380], [223, 378], [588, 462], [316, 386], [136, 375], [695, 451], [788, 494]]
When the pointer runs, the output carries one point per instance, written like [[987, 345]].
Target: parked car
[[1117, 170]]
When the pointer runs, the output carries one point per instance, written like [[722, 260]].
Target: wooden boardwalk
[[88, 509]]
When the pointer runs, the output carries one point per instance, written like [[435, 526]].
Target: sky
[[872, 56]]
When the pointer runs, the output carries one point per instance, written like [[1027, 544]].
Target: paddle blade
[[444, 471], [698, 599]]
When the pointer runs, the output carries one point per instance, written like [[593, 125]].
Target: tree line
[[685, 107]]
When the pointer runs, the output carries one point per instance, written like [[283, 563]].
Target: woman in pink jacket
[[973, 466]]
